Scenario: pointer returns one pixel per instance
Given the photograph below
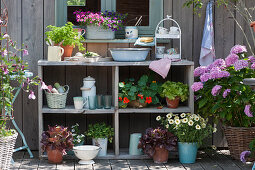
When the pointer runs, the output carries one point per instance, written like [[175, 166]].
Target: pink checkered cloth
[[162, 66]]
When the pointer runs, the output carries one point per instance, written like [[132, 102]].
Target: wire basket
[[6, 150], [57, 101]]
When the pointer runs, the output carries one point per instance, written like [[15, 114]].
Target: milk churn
[[88, 89]]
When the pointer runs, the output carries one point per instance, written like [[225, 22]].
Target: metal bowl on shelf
[[129, 54]]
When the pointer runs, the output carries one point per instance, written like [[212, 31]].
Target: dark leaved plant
[[157, 138]]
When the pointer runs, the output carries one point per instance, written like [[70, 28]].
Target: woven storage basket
[[57, 101], [238, 139], [6, 150]]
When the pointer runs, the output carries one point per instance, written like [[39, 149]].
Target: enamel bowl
[[86, 153], [129, 54]]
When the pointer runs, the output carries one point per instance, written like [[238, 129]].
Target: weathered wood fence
[[27, 22]]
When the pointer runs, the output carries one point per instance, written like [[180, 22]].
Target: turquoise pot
[[187, 152], [133, 144], [71, 151]]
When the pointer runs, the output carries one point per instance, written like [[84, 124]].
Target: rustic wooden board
[[151, 165], [174, 165], [137, 164], [102, 165], [66, 165], [119, 164]]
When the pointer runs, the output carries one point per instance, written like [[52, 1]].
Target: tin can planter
[[102, 143], [173, 103], [187, 152], [54, 156], [99, 33], [160, 155]]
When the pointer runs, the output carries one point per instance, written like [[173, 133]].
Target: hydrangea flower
[[216, 90], [244, 155], [251, 59], [231, 59], [238, 49], [205, 77], [226, 92], [240, 64], [247, 110], [219, 63], [253, 66], [197, 86], [200, 70]]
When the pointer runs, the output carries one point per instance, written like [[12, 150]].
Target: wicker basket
[[57, 101], [6, 150], [238, 139]]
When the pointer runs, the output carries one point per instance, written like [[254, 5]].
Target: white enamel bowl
[[86, 153]]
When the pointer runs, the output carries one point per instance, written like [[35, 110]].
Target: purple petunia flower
[[238, 49], [197, 86], [231, 59], [200, 70], [244, 155], [205, 77], [247, 110], [240, 64], [226, 92], [216, 90], [251, 59]]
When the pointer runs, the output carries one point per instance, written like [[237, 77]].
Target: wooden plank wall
[[27, 22]]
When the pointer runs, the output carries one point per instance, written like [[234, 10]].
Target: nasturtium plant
[[100, 130]]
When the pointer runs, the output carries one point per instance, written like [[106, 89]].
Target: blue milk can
[[187, 152], [133, 144]]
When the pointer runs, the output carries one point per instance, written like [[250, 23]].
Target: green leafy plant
[[78, 138], [64, 35], [189, 128], [76, 2], [100, 130], [145, 91], [171, 90], [90, 54]]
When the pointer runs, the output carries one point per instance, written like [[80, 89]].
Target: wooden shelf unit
[[115, 111]]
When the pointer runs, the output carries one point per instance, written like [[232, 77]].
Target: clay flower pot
[[137, 104], [160, 155], [68, 50], [172, 103], [54, 156], [253, 25]]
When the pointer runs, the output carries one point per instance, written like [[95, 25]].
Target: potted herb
[[100, 25], [78, 138], [221, 93], [139, 94], [65, 37], [100, 134], [12, 69], [191, 130], [174, 92], [56, 140], [156, 143]]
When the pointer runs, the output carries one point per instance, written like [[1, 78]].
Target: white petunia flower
[[169, 115], [183, 115], [185, 120], [177, 121], [203, 125], [171, 121], [198, 127], [158, 118], [190, 123], [176, 117], [196, 118]]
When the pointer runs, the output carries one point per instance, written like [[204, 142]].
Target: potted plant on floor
[[156, 143], [78, 138], [13, 74], [221, 93], [174, 92], [139, 94], [191, 130], [65, 37], [100, 25], [100, 134], [56, 140]]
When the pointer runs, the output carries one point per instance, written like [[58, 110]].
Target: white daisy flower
[[214, 147], [167, 126], [196, 118], [183, 115], [169, 115], [203, 125], [176, 117], [185, 120], [214, 130], [198, 127], [158, 118], [190, 123], [177, 121], [171, 121]]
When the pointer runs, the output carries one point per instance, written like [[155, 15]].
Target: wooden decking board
[[102, 165], [206, 162], [151, 165], [29, 164], [174, 165], [119, 164], [137, 164], [44, 165], [66, 165]]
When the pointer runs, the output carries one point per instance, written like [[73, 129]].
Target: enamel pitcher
[[88, 89]]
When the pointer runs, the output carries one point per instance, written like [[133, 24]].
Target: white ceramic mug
[[160, 49], [79, 102], [131, 32], [174, 30], [55, 53], [162, 30]]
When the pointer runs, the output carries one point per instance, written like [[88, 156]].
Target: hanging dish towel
[[207, 55]]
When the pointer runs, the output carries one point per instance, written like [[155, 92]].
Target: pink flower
[[6, 36], [31, 95], [43, 86], [251, 59], [231, 59], [205, 77], [226, 92], [238, 49], [216, 90], [240, 64], [5, 52], [253, 66], [197, 86], [200, 70], [244, 155], [5, 70], [25, 52], [219, 63], [247, 110]]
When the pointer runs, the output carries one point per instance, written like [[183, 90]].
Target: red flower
[[140, 95], [148, 100], [125, 100], [120, 99]]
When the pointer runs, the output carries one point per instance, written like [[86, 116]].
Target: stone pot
[[68, 50], [173, 103], [160, 155], [54, 156]]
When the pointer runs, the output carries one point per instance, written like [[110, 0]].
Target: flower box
[[99, 33]]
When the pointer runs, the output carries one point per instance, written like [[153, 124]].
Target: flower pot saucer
[[83, 162]]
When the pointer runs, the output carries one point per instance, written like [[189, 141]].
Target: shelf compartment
[[70, 110], [180, 109], [171, 36]]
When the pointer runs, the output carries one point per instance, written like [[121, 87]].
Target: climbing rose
[[240, 64], [237, 49], [216, 90], [231, 59], [244, 155], [226, 92], [247, 110], [197, 86]]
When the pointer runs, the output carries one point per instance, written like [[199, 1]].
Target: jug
[[88, 89]]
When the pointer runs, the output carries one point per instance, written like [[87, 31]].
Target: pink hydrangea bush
[[220, 91]]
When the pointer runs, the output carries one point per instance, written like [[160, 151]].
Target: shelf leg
[[190, 78], [40, 116]]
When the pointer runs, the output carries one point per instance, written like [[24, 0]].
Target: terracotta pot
[[173, 103], [253, 25], [68, 50], [55, 156], [160, 155], [137, 104]]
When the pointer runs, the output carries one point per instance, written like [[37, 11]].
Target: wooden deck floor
[[207, 160]]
